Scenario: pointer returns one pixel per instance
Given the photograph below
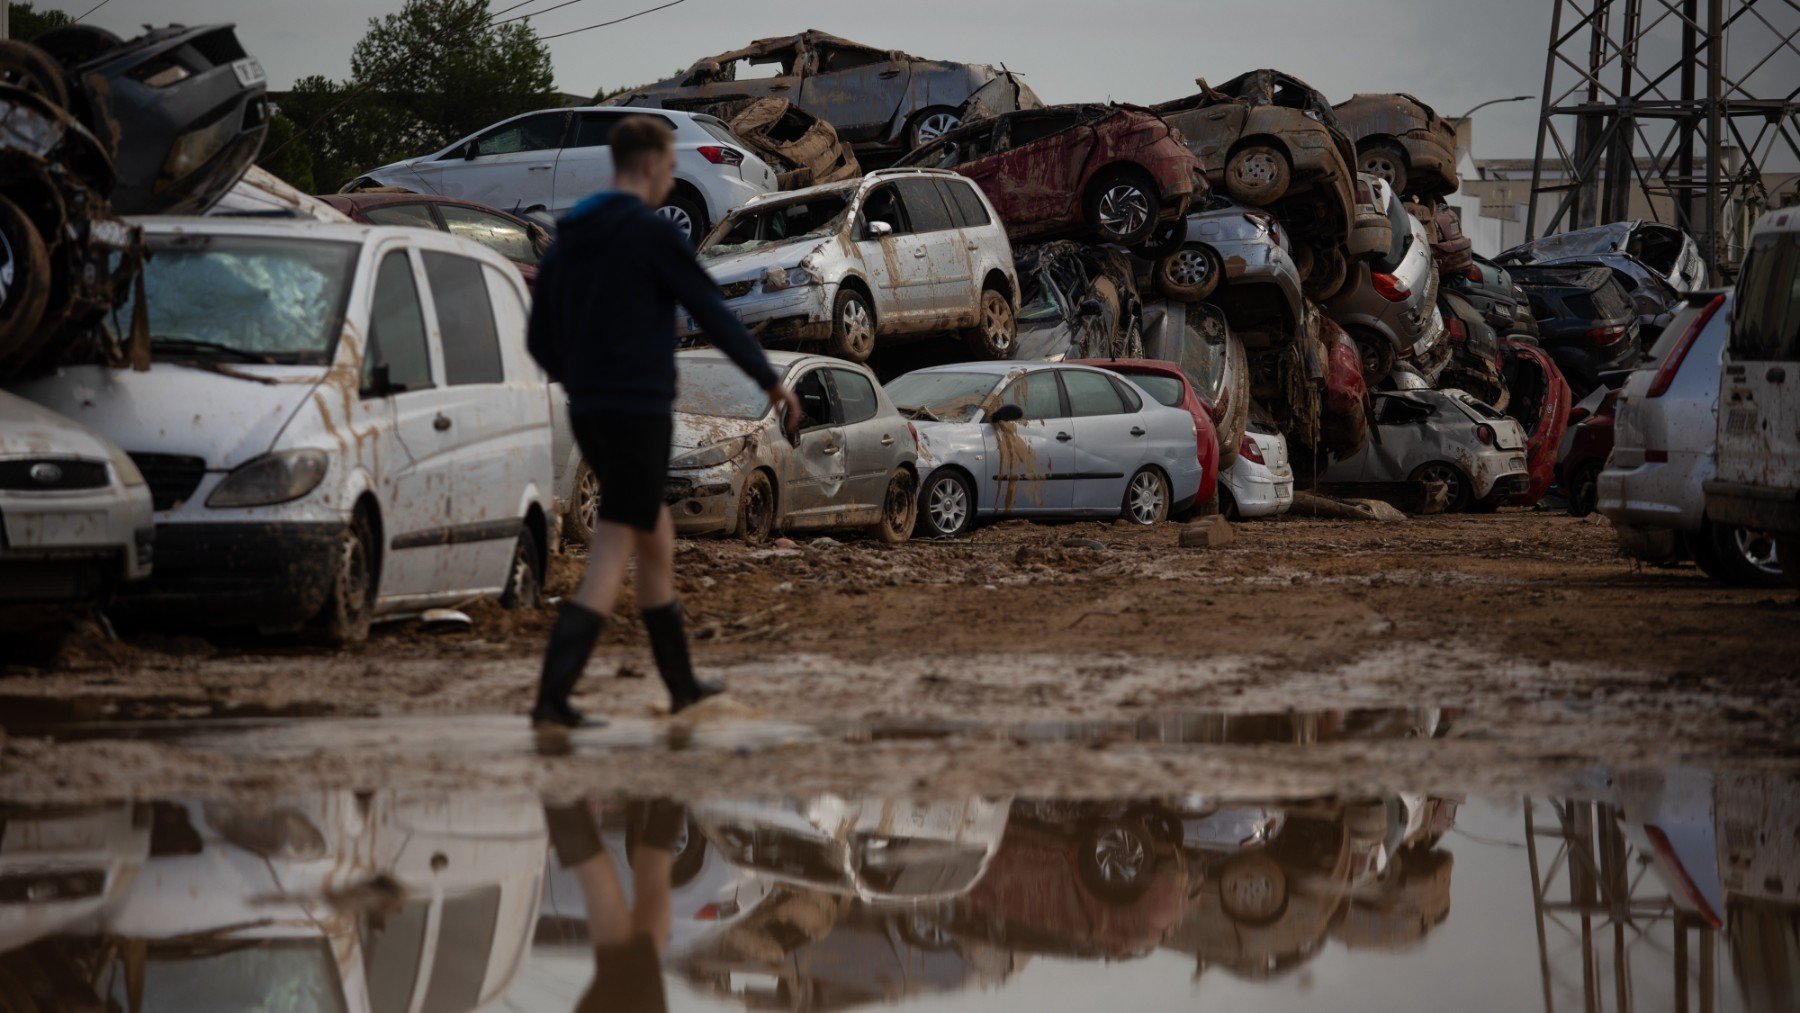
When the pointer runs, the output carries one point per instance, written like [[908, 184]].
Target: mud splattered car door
[[1033, 458], [816, 466], [1046, 153], [873, 439], [854, 88], [1111, 439]]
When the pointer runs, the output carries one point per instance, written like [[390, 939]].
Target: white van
[[338, 421], [1757, 476]]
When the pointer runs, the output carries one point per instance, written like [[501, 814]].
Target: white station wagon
[[338, 421]]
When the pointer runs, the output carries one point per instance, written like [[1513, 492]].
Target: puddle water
[[1662, 890]]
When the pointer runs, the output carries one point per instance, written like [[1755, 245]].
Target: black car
[[1585, 321]]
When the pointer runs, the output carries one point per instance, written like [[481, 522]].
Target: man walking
[[603, 325]]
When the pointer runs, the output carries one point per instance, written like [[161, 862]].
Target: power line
[[614, 21], [533, 14], [94, 8]]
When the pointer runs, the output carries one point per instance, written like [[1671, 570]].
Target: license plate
[[1741, 422], [249, 72]]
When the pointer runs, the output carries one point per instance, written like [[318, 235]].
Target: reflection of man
[[628, 937]]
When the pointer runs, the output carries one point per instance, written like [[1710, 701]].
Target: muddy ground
[[1549, 650]]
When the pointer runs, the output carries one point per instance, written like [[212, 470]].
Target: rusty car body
[[804, 149], [1198, 338], [1076, 300], [1402, 140], [878, 100], [1440, 436], [1112, 173]]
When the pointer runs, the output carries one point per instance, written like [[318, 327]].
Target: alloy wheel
[[996, 324], [1447, 475], [1146, 498], [587, 499], [1191, 267], [1124, 209], [858, 329], [682, 220], [1120, 857], [1757, 549], [949, 506], [935, 126]]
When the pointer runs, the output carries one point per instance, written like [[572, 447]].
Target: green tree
[[292, 162], [27, 22]]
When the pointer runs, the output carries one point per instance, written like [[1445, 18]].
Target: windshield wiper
[[922, 414], [165, 343]]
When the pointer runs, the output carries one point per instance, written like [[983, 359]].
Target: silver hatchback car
[[1390, 309], [898, 253]]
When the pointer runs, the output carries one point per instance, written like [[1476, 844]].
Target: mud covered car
[[1537, 398], [1668, 251], [1198, 338], [1490, 288], [1390, 304], [1655, 300], [803, 149], [1076, 300], [1403, 141], [1442, 436], [852, 463], [1167, 384], [1585, 320], [1259, 482], [876, 99], [899, 253], [1112, 173]]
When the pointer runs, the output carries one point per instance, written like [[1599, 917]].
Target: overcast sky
[[1450, 53]]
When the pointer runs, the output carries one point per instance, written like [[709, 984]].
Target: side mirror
[[879, 229], [468, 151], [1090, 308], [1006, 413]]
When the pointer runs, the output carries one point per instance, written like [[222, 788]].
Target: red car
[[518, 239], [1112, 172], [1590, 441], [1168, 385], [1540, 402]]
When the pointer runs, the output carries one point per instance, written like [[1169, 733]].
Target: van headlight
[[710, 456], [271, 479]]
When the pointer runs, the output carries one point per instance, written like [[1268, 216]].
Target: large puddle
[[1673, 889]]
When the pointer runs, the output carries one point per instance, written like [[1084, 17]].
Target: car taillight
[[721, 156], [1474, 273], [1458, 333], [1576, 415], [1604, 336], [1390, 288], [1260, 219], [714, 912], [914, 430], [1671, 364], [1249, 452], [1485, 434]]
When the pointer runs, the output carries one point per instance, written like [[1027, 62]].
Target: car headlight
[[710, 456], [271, 478], [196, 147], [126, 469]]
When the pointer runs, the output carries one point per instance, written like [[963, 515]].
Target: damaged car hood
[[225, 417], [752, 263], [692, 432]]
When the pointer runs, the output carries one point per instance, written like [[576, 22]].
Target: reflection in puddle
[[1660, 891]]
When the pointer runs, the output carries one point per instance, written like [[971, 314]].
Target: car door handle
[[887, 441], [1063, 437], [973, 245], [920, 252], [441, 423], [537, 168], [1775, 374], [779, 87], [1137, 430], [884, 75]]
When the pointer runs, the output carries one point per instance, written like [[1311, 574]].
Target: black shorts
[[629, 452]]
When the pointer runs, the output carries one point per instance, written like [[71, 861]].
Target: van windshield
[[789, 221], [244, 298], [1765, 325]]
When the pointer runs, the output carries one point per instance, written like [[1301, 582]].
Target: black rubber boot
[[656, 823], [571, 641], [573, 835], [668, 641]]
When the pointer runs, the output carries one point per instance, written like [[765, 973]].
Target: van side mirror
[[1089, 308], [468, 151], [1006, 413], [879, 229]]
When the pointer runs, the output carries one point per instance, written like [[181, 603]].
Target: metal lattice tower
[[1646, 96]]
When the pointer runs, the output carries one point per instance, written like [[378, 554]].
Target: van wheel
[[524, 579], [350, 606], [946, 506], [1456, 485], [583, 514], [992, 336], [24, 258], [1387, 161], [1190, 274], [1737, 555], [1123, 208], [756, 509], [852, 326], [899, 508], [1258, 174], [1146, 498]]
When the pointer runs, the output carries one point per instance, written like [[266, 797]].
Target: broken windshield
[[748, 229], [296, 975], [717, 388], [942, 397]]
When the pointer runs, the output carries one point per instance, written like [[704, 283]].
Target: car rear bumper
[[1764, 508], [267, 573], [1261, 492], [1659, 494]]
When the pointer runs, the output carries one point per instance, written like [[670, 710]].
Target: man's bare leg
[[609, 550]]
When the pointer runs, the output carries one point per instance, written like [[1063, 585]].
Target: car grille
[[49, 473], [172, 477], [47, 886], [737, 289]]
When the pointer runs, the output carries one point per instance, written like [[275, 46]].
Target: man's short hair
[[636, 139]]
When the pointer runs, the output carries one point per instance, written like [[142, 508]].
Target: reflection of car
[[1167, 384], [518, 239], [1260, 483], [1666, 249], [1538, 399], [1389, 304], [74, 511], [875, 98], [338, 420], [1585, 321], [1441, 436], [1076, 300], [898, 253], [1043, 440], [1110, 172], [1402, 140], [1196, 337], [1663, 435], [552, 158], [64, 866], [853, 462]]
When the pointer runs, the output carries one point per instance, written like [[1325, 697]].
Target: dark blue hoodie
[[603, 308]]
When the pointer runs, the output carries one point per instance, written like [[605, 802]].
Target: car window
[[464, 946], [1036, 394], [465, 319], [397, 329], [971, 212], [1022, 130], [815, 400], [1167, 390], [1130, 397], [883, 205], [417, 216], [856, 395], [956, 148], [508, 238], [718, 130], [1765, 324], [1398, 410], [542, 132], [593, 130], [1091, 394], [832, 59], [925, 207], [788, 221]]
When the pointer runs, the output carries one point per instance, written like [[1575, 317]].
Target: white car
[[74, 511], [1442, 436], [1260, 483], [898, 253], [338, 421], [65, 866], [550, 159], [1663, 434]]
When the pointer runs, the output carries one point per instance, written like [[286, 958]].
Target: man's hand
[[781, 395]]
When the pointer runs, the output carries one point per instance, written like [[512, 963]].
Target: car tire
[[350, 606], [997, 330], [1330, 273], [1375, 352], [688, 215], [756, 509], [1190, 274], [1584, 489], [946, 506], [75, 44], [1387, 161], [899, 508], [1123, 208], [1228, 507], [1118, 860], [1457, 493], [852, 326], [1737, 555], [1253, 889], [1258, 174], [584, 506], [1146, 500], [524, 576], [22, 305], [28, 68], [929, 124]]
